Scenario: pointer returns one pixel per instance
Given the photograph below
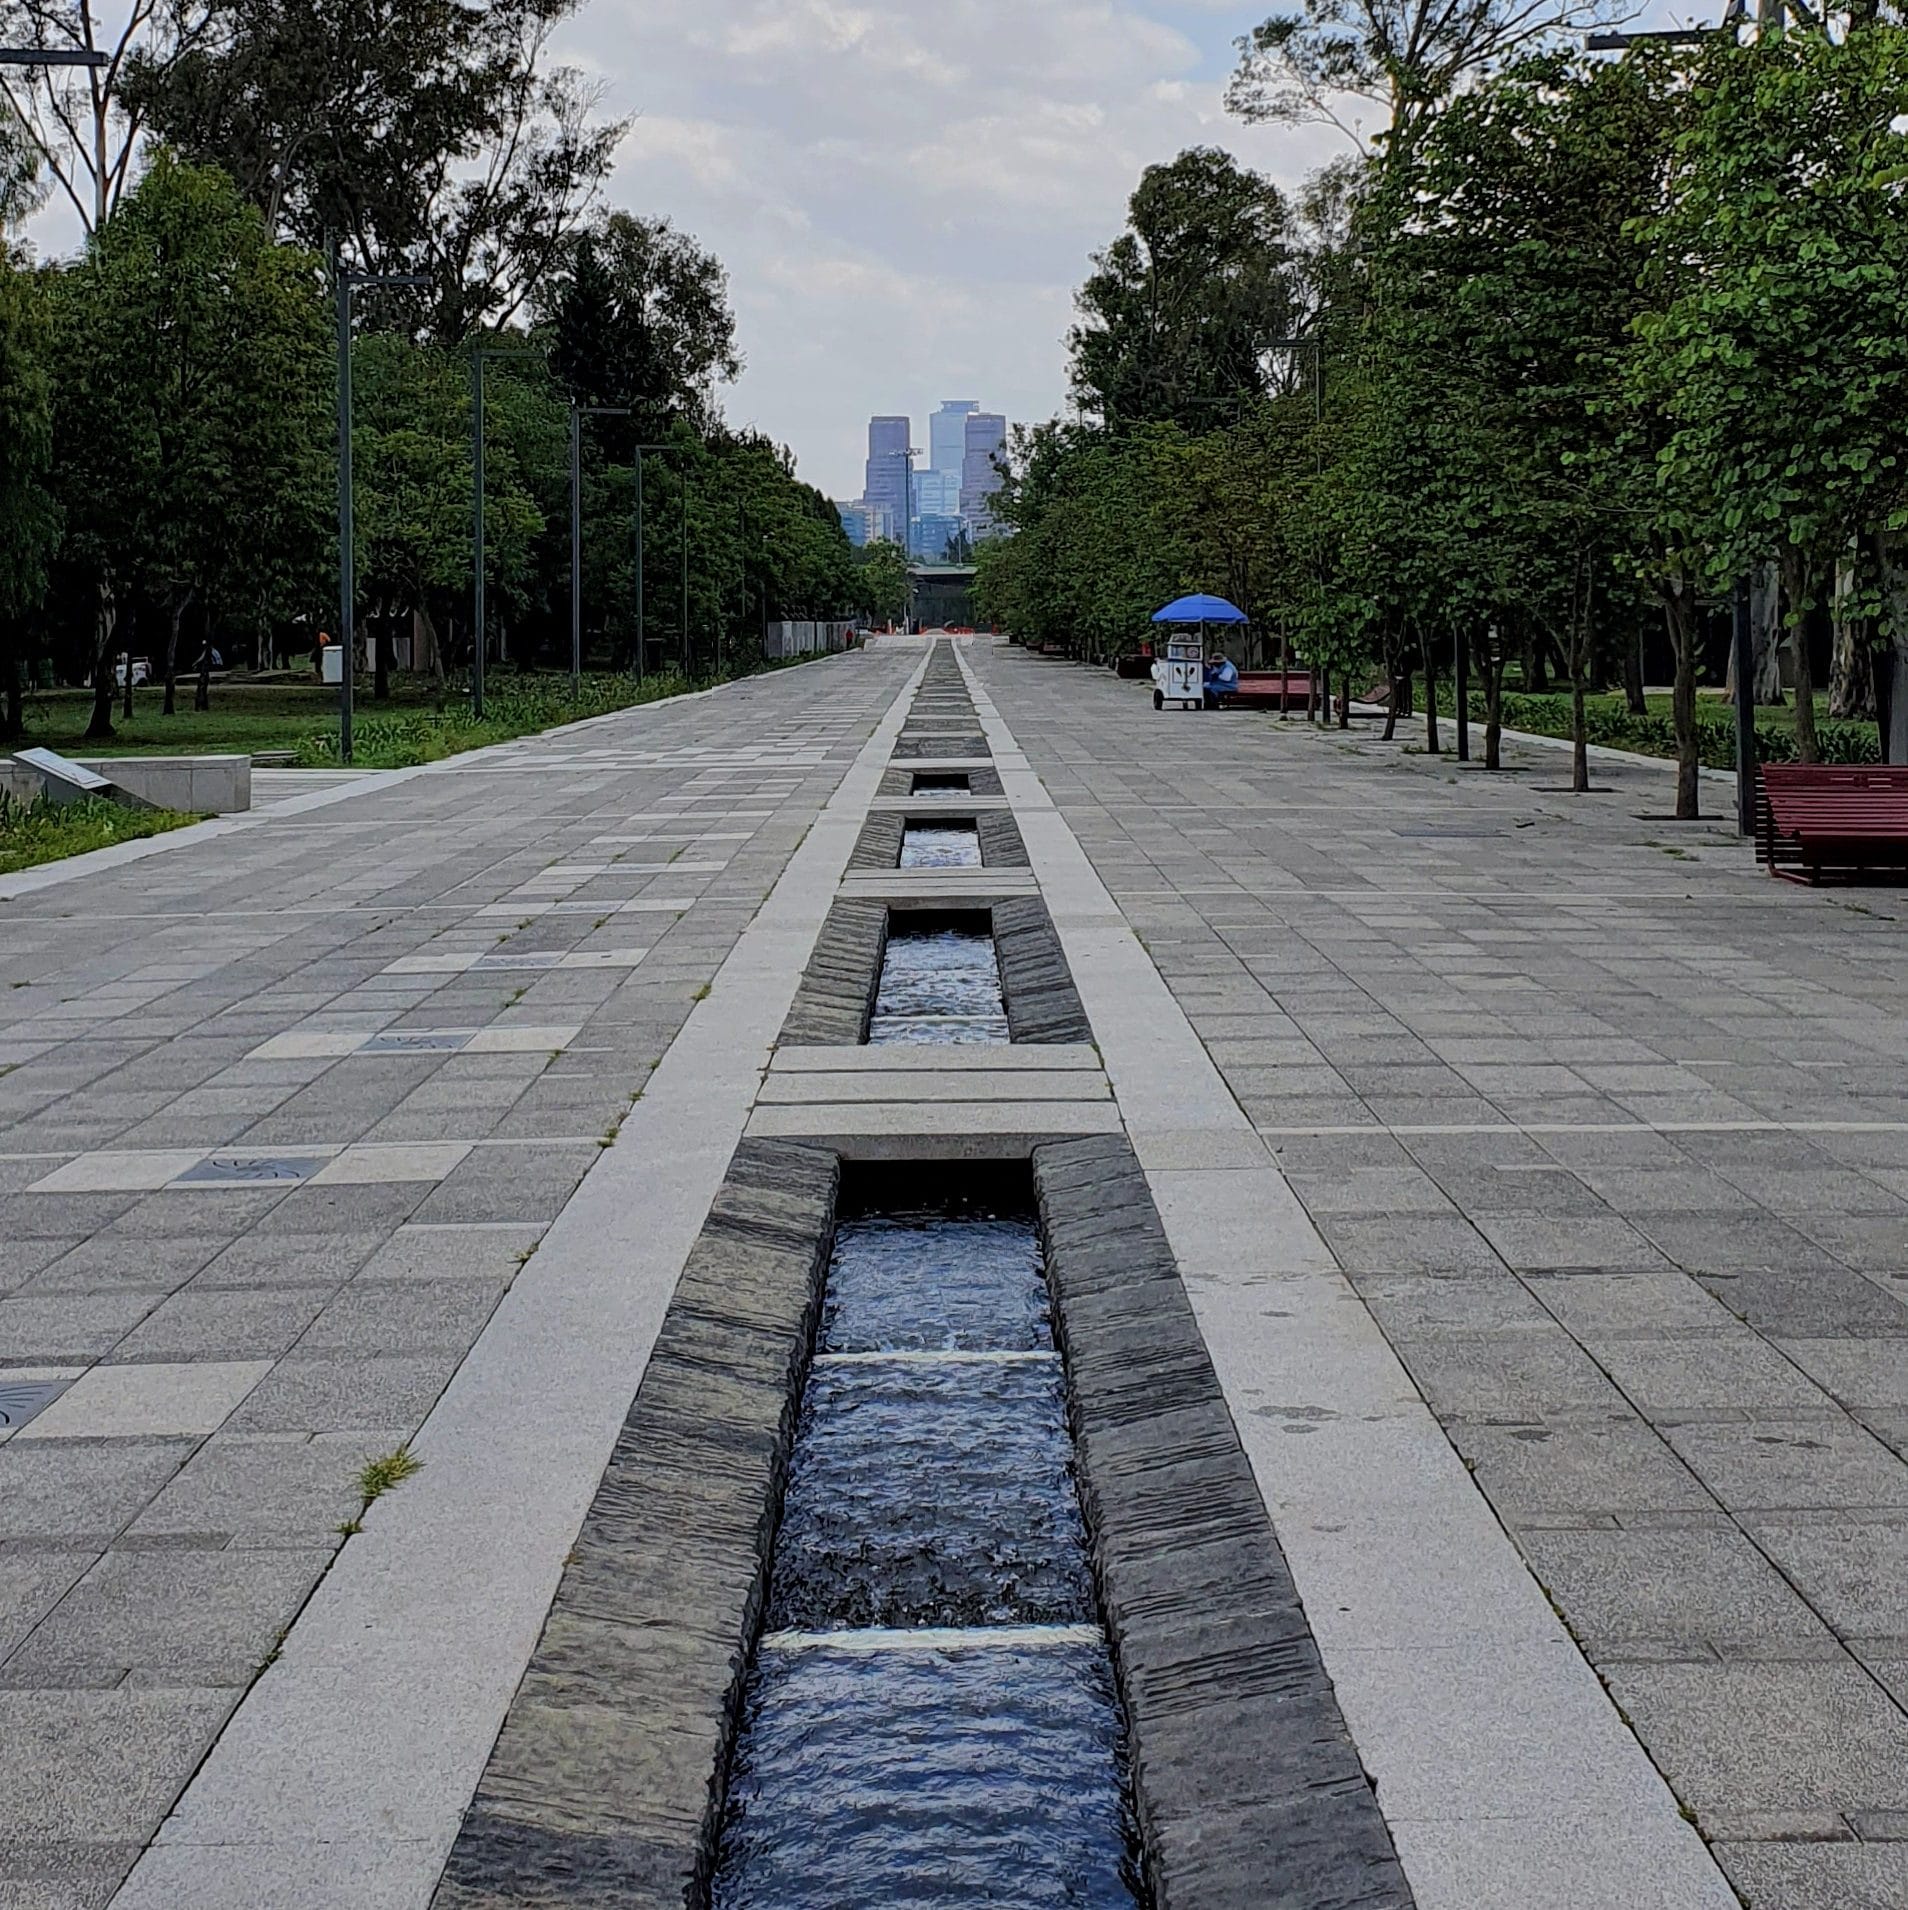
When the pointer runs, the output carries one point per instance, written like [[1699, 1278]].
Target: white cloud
[[905, 195]]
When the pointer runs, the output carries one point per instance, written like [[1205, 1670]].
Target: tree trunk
[[1392, 702], [100, 729], [381, 661], [1573, 662], [1851, 676], [175, 614], [1633, 697], [1795, 587], [1765, 634], [1536, 668], [1679, 616], [1430, 694], [1494, 708], [13, 705], [1324, 697], [202, 696]]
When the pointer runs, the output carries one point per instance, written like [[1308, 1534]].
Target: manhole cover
[[1446, 832], [399, 1043], [226, 1168], [533, 958], [21, 1399]]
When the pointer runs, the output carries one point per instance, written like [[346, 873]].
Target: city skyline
[[924, 507]]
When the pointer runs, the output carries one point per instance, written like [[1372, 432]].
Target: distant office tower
[[890, 472], [984, 433], [947, 435], [857, 520], [937, 493]]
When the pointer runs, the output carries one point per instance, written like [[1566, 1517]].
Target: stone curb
[[1042, 1002], [980, 782], [1249, 1791], [837, 990], [935, 742], [605, 1784], [880, 845]]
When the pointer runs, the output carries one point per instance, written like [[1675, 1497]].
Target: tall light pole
[[478, 640], [578, 412], [347, 282]]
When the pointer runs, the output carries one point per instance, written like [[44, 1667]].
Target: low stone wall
[[192, 785]]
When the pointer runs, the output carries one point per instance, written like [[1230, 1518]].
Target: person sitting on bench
[[1222, 678]]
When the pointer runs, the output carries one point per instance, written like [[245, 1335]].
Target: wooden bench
[[1269, 690], [1817, 819]]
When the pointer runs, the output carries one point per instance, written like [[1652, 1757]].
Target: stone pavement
[[1609, 1133], [284, 1110], [1604, 1130]]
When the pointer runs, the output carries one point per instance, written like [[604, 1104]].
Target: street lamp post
[[478, 354], [578, 412], [346, 282]]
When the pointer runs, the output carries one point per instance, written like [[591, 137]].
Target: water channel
[[931, 845], [940, 980], [931, 1717]]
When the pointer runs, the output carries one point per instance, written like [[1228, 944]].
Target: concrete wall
[[804, 639], [194, 785]]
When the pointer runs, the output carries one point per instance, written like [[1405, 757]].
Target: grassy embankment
[[412, 725], [1608, 721], [32, 833]]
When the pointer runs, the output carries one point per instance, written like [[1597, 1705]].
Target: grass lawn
[[1608, 721], [250, 718], [34, 833]]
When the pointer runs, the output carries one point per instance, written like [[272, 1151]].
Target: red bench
[[1815, 819], [1269, 689]]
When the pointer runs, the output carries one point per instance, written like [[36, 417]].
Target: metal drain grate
[[21, 1399]]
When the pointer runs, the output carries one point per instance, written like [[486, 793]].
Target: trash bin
[[331, 663]]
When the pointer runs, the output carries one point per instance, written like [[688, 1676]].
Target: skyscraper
[[889, 479], [947, 434], [984, 433]]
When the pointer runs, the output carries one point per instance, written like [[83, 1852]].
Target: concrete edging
[[606, 1783], [1249, 1791]]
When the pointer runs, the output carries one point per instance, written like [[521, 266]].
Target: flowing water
[[931, 1717], [940, 982], [954, 845]]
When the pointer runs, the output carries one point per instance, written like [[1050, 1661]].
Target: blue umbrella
[[1200, 609]]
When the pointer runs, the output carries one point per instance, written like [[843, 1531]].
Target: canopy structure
[[1200, 609]]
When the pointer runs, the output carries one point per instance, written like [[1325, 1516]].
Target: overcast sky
[[905, 194]]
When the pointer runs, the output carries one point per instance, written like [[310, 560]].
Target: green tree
[[1179, 311], [882, 577], [1780, 358], [29, 517], [424, 135], [192, 358]]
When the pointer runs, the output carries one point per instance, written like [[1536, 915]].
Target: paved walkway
[[1597, 1133], [1610, 1135], [283, 1113]]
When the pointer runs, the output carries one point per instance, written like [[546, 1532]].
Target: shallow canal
[[931, 1717], [940, 981]]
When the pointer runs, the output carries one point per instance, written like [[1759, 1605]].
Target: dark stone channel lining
[[981, 781], [604, 1789], [879, 846], [606, 1786], [1249, 1791], [837, 991], [939, 744]]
